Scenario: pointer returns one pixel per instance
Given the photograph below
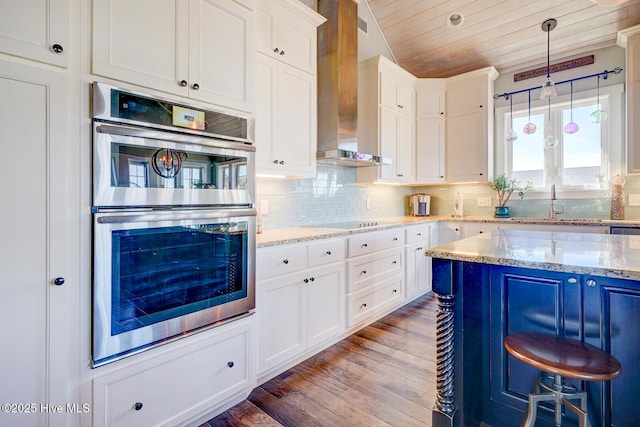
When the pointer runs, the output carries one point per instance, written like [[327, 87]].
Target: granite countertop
[[607, 255], [283, 236]]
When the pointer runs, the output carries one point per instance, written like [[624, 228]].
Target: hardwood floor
[[383, 375]]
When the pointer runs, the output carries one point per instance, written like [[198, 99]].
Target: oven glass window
[[166, 272], [149, 167]]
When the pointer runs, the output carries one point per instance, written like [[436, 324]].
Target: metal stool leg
[[534, 399], [583, 418]]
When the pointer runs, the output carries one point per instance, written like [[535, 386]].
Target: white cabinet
[[201, 49], [38, 256], [430, 131], [418, 266], [630, 40], [469, 229], [287, 30], [396, 87], [375, 274], [286, 102], [36, 29], [469, 154], [386, 120], [177, 386], [448, 232], [300, 294], [286, 120]]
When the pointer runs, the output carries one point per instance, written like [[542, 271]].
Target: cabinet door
[[430, 99], [405, 148], [388, 142], [297, 42], [221, 53], [152, 53], [467, 148], [282, 324], [448, 232], [296, 121], [418, 269], [31, 29], [266, 96], [325, 303], [36, 246], [430, 151]]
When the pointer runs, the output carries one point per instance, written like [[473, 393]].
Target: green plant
[[505, 186]]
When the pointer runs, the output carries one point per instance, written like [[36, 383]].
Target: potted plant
[[504, 187]]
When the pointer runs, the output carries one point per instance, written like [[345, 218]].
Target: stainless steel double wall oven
[[173, 220]]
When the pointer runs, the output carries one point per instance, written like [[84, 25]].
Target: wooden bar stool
[[561, 358]]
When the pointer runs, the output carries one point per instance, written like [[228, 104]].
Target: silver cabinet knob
[[591, 283]]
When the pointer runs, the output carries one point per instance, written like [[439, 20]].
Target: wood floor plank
[[382, 375]]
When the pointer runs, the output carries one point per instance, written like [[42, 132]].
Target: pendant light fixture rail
[[604, 75]]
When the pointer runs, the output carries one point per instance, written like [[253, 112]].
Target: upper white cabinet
[[287, 90], [284, 35], [430, 131], [469, 154], [36, 29], [396, 87], [386, 120], [201, 49], [630, 39]]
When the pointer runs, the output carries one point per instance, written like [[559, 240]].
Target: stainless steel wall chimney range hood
[[338, 87]]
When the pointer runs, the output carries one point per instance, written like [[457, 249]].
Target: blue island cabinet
[[479, 383]]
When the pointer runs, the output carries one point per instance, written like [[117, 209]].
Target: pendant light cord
[[549, 50]]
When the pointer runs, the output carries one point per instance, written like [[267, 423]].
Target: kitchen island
[[579, 285]]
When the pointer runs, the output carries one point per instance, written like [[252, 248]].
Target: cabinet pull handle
[[400, 175], [363, 272], [286, 261], [394, 262], [306, 280], [282, 52], [591, 283], [281, 162], [441, 113], [230, 364], [364, 245], [276, 50], [183, 83], [58, 281], [419, 249], [364, 305], [195, 86], [572, 280], [395, 239], [275, 162], [328, 252], [312, 279], [395, 291], [419, 234], [137, 406], [56, 48]]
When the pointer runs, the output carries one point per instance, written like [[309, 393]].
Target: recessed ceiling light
[[455, 20]]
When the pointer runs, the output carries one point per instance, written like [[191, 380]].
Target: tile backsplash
[[335, 196], [332, 196]]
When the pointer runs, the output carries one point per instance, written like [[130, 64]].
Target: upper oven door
[[138, 167]]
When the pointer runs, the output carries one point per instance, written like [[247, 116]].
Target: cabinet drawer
[[417, 233], [275, 262], [362, 305], [326, 251], [168, 393], [367, 243], [364, 271]]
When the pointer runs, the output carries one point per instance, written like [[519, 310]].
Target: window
[[584, 160], [192, 177], [137, 174]]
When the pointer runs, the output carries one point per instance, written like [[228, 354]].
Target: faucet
[[552, 209]]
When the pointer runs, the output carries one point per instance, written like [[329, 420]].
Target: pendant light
[[599, 115], [511, 134], [550, 141], [548, 88], [571, 127], [530, 127]]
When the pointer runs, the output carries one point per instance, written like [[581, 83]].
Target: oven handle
[[153, 134], [123, 218]]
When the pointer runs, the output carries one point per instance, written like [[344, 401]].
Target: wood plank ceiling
[[504, 33]]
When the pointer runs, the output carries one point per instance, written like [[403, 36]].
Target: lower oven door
[[161, 275]]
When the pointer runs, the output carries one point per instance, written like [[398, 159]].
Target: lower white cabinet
[[180, 385], [303, 308], [418, 266], [375, 274], [448, 232]]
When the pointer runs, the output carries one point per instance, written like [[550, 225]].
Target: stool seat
[[566, 357]]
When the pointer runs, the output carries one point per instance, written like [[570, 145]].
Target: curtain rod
[[605, 73]]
